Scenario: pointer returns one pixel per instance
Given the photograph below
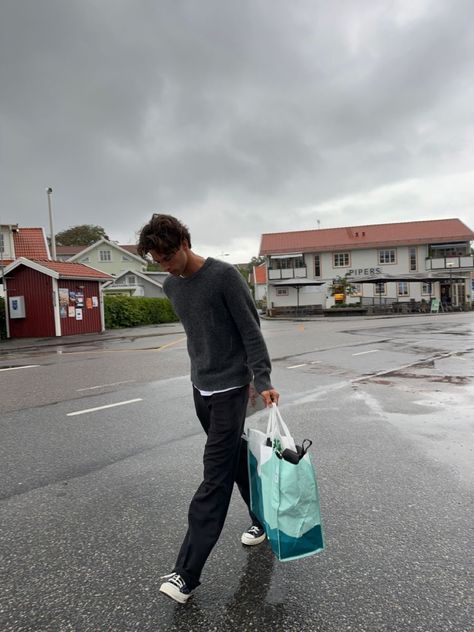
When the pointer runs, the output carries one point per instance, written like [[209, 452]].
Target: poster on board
[[63, 301], [78, 313]]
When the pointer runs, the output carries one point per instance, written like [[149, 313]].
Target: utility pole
[[49, 192]]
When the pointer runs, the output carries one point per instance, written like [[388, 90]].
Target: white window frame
[[379, 284], [412, 259], [133, 278], [426, 288], [392, 256], [344, 255], [403, 288], [105, 255], [317, 263]]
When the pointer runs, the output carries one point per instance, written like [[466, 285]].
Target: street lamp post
[[49, 192]]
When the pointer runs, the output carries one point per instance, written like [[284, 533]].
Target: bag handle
[[277, 428]]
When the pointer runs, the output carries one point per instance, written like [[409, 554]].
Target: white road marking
[[15, 368], [364, 352], [296, 366], [316, 362], [91, 388], [91, 410]]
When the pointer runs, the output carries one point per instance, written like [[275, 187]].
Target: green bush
[[131, 311], [3, 323]]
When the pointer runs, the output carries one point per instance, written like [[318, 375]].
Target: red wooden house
[[53, 298]]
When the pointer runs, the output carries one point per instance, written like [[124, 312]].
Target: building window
[[317, 265], [387, 256], [282, 291], [412, 257], [426, 288], [105, 255], [449, 250], [380, 288], [402, 288], [2, 243], [131, 279], [287, 263], [341, 260]]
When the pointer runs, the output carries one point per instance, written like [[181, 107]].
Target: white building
[[390, 264]]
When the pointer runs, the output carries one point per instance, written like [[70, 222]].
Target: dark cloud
[[239, 117]]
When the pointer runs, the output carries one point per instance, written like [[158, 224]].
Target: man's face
[[175, 263]]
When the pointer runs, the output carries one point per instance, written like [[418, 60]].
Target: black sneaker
[[254, 535], [175, 587]]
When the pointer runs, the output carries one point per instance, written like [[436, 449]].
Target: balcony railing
[[287, 273], [449, 263]]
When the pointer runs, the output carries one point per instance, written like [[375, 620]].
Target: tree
[[341, 288], [246, 269], [82, 235]]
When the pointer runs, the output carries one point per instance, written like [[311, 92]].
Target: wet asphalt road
[[93, 505]]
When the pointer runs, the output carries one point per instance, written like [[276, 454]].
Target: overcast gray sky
[[239, 117]]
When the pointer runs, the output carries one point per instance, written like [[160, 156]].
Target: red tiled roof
[[30, 243], [260, 274], [66, 269], [369, 236]]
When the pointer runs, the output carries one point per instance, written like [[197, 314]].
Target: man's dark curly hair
[[164, 234]]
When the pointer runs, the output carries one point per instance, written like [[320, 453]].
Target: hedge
[[131, 311]]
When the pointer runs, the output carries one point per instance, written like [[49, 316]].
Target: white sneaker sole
[[245, 539], [171, 591]]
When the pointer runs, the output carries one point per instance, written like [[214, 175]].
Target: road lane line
[[170, 344], [15, 368], [91, 410], [364, 352], [296, 366], [91, 388]]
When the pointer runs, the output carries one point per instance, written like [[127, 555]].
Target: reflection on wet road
[[94, 505]]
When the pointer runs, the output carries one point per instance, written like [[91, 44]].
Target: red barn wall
[[91, 322], [37, 289]]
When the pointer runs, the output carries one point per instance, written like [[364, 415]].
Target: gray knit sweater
[[225, 344]]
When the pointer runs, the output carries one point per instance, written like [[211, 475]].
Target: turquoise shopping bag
[[284, 495]]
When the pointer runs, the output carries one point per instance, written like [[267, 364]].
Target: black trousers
[[225, 461]]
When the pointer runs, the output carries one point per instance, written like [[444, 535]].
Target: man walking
[[227, 351]]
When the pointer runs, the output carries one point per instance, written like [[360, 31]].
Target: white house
[[109, 257], [407, 262], [136, 283]]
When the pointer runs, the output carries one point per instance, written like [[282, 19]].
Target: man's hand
[[270, 396]]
